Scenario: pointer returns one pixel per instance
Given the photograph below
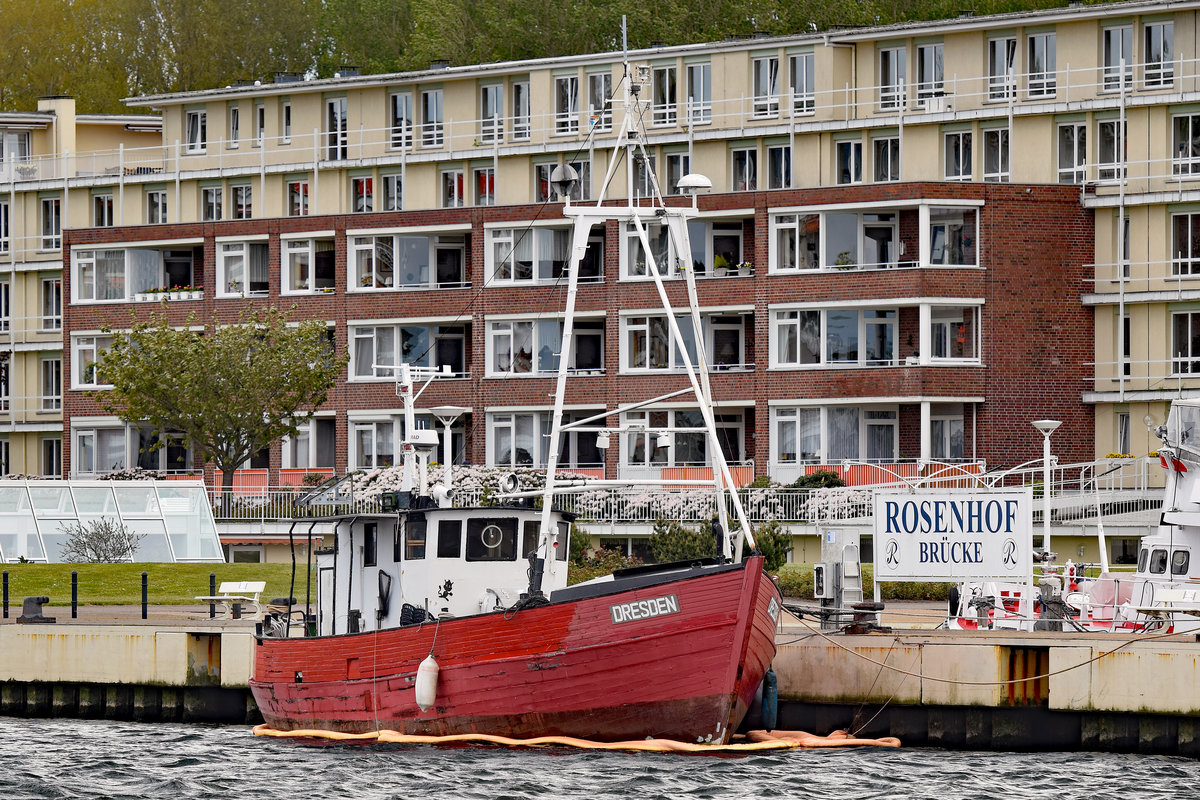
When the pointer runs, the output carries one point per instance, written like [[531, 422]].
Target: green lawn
[[121, 584]]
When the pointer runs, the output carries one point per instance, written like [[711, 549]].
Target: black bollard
[[212, 592], [6, 594], [74, 594], [144, 595]]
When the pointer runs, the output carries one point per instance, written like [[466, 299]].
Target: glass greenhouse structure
[[174, 518]]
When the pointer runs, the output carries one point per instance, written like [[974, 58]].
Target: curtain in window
[[145, 270], [110, 274], [843, 433]]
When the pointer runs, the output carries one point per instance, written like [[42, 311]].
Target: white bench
[[237, 593]]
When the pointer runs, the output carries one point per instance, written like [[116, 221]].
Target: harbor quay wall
[[997, 690], [127, 672]]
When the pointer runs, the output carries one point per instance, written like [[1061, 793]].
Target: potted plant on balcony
[[177, 293], [197, 292]]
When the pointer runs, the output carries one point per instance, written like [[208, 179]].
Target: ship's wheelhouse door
[[325, 601]]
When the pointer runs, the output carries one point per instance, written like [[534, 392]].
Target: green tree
[[230, 389], [774, 542], [673, 541]]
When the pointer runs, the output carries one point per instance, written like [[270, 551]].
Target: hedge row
[[796, 580]]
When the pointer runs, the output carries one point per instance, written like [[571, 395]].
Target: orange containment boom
[[754, 741]]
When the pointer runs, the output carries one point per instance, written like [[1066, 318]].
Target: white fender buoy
[[427, 678]]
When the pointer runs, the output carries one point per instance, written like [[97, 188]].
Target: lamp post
[[447, 416], [1047, 427]]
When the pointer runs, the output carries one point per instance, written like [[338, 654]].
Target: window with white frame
[[483, 183], [517, 439], [644, 174], [156, 207], [1185, 342], [313, 447], [779, 167], [393, 192], [1158, 53], [745, 169], [566, 104], [795, 242], [1117, 47], [958, 156], [51, 304], [599, 100], [102, 210], [377, 351], [1002, 68], [954, 333], [834, 337], [4, 462], [99, 275], [52, 457], [538, 255], [677, 438], [954, 236], [86, 351], [766, 86], [400, 134], [196, 131], [432, 131], [520, 110], [893, 70], [647, 343], [308, 266], [1111, 149], [582, 190], [260, 124], [374, 444], [210, 203], [5, 398], [665, 101], [931, 70], [1186, 144], [533, 347], [849, 161], [1072, 152], [51, 223], [4, 227], [362, 195], [373, 351], [886, 155], [635, 261], [242, 269], [52, 384], [243, 201], [491, 113], [541, 181], [411, 261], [235, 124], [99, 450], [946, 438], [1122, 420], [1185, 244], [297, 198], [5, 306], [285, 121], [1042, 66], [995, 155], [803, 83], [678, 165], [452, 188], [716, 247], [797, 436], [337, 129], [699, 92]]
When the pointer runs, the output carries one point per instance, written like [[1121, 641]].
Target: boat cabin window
[[564, 541], [1179, 562], [449, 538], [529, 541], [1142, 558], [370, 544], [492, 539], [414, 537], [1158, 562]]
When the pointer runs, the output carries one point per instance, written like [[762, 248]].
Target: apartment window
[[1123, 445], [99, 450], [51, 384], [1118, 57], [85, 357], [337, 134], [1072, 152], [285, 121], [566, 104], [52, 457], [838, 336], [995, 155], [1126, 349], [99, 275], [766, 86], [235, 123], [745, 170], [520, 109], [797, 435], [583, 187], [665, 99], [599, 100], [362, 195], [411, 261], [297, 198], [1185, 343], [393, 193], [892, 76], [649, 344], [4, 229], [313, 447], [260, 124], [308, 266], [196, 131], [402, 120], [779, 167], [431, 118], [1043, 80], [491, 113], [958, 156], [242, 269], [210, 203], [1002, 65], [1158, 53], [102, 210], [946, 438], [795, 242], [51, 223], [452, 188], [5, 306], [243, 201], [51, 304], [688, 445], [1111, 149], [887, 158], [377, 351], [644, 174], [849, 161], [517, 440], [699, 89], [156, 207], [523, 347], [483, 181], [954, 332], [953, 237], [1186, 144], [804, 95], [636, 261], [931, 71], [1185, 244], [538, 255], [678, 165], [374, 444]]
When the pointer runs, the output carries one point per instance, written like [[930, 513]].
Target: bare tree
[[100, 541]]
